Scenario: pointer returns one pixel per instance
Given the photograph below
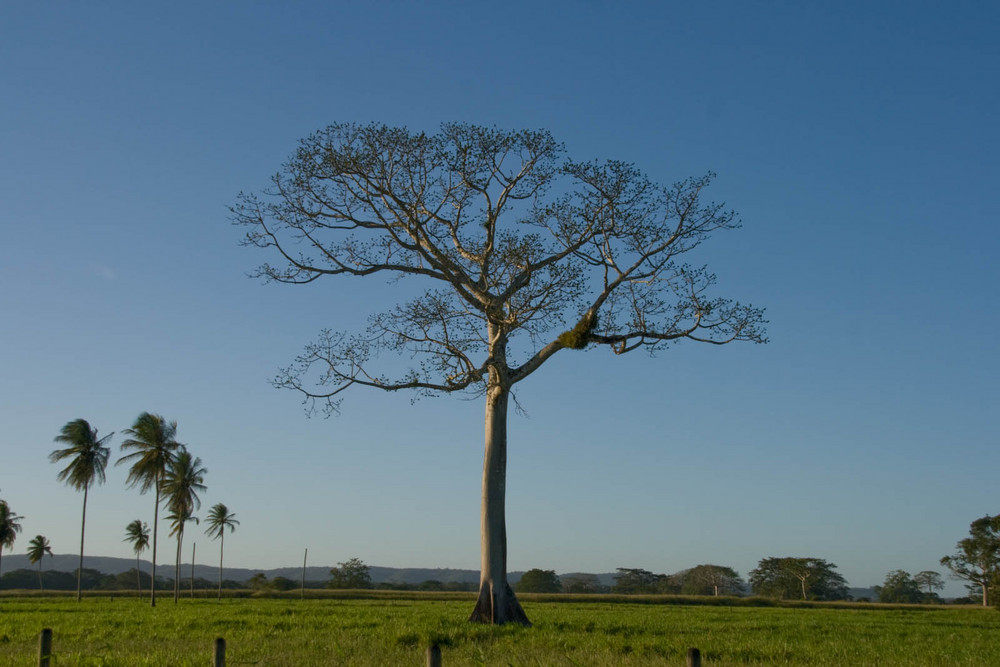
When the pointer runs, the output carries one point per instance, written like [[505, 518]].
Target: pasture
[[396, 629]]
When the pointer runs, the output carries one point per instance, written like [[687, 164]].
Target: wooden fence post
[[45, 648], [219, 653], [693, 658], [433, 656]]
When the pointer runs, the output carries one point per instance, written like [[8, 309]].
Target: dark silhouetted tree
[[350, 574], [180, 486], [539, 581], [635, 580], [37, 548], [88, 458], [219, 518], [137, 534], [899, 587], [711, 580], [930, 581], [582, 584], [803, 578], [153, 440], [10, 526]]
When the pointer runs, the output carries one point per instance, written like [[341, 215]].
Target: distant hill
[[392, 575]]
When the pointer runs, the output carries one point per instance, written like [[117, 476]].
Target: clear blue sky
[[858, 142]]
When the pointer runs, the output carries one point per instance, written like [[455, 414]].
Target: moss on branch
[[576, 338]]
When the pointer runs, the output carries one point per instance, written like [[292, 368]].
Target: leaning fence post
[[219, 654], [693, 658], [433, 656], [45, 648]]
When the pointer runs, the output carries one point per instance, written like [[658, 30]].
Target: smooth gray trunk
[[497, 603]]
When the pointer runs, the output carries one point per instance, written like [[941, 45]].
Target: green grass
[[394, 630]]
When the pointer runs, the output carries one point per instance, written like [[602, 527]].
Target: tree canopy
[[539, 581], [352, 573], [631, 580], [798, 578], [977, 559], [711, 580], [899, 586]]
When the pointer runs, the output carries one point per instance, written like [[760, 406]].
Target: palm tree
[[180, 486], [88, 459], [153, 439], [10, 526], [219, 519], [177, 518], [137, 534], [37, 548]]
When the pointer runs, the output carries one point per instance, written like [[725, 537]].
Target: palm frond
[[154, 442], [88, 454], [219, 518]]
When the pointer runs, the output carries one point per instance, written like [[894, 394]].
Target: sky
[[857, 141]]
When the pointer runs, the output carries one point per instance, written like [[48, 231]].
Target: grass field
[[395, 630]]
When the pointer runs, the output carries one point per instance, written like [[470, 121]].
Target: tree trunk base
[[498, 607]]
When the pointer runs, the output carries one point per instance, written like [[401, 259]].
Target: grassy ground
[[112, 632]]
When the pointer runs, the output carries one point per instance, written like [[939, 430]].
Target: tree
[[539, 581], [88, 458], [37, 548], [930, 580], [258, 582], [804, 578], [586, 584], [282, 584], [137, 534], [154, 442], [899, 587], [219, 518], [632, 581], [978, 558], [350, 574], [10, 526], [180, 486], [513, 241], [711, 580]]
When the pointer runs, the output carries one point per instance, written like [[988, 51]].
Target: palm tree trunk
[[222, 546], [40, 587], [1, 558], [497, 603], [194, 549], [177, 565], [138, 580], [156, 523], [83, 528]]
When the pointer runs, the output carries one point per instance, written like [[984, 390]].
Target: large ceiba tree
[[525, 253]]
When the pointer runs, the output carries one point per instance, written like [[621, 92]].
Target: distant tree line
[[92, 580]]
